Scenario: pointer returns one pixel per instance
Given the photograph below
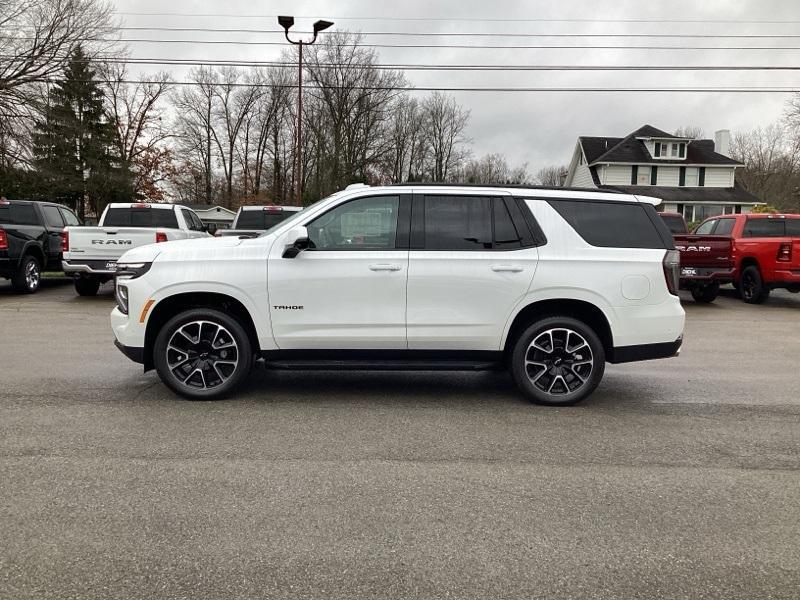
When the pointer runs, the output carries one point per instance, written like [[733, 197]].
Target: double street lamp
[[286, 23]]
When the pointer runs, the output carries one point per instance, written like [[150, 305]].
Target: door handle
[[384, 267], [508, 268]]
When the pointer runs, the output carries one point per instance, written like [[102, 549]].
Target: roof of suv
[[570, 193]]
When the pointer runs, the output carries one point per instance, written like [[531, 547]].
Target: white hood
[[149, 252]]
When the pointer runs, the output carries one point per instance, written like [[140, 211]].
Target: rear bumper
[[707, 275], [87, 267], [623, 354]]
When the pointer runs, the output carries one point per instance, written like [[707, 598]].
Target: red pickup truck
[[756, 253]]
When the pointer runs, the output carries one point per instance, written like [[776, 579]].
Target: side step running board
[[384, 365]]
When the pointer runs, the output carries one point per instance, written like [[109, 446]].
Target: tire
[[28, 276], [203, 354], [751, 286], [87, 286], [705, 293], [559, 381]]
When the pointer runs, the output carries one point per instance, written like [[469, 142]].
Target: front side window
[[458, 223], [363, 224], [764, 228], [706, 228]]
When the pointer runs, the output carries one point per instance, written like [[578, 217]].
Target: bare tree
[[38, 38], [693, 132], [445, 123], [553, 176], [137, 112], [194, 127]]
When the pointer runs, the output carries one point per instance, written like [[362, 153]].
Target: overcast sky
[[537, 128]]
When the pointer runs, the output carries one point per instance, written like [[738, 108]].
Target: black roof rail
[[518, 186]]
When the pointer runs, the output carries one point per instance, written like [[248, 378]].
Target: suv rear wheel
[[558, 361], [202, 354], [752, 287]]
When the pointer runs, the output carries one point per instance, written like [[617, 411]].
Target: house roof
[[631, 149], [206, 207], [689, 194]]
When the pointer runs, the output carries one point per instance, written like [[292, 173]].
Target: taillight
[[3, 240], [161, 237], [785, 253], [65, 241], [672, 270]]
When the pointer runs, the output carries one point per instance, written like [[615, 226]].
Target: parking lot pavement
[[677, 479]]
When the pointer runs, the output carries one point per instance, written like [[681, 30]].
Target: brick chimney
[[722, 141]]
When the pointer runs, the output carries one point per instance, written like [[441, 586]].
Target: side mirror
[[211, 228], [296, 242]]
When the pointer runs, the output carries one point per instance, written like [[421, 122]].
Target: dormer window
[[669, 150]]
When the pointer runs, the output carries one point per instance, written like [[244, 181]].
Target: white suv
[[551, 283]]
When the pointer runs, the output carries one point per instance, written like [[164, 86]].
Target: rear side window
[[192, 221], [675, 223], [458, 223], [611, 224], [793, 227], [764, 228], [52, 216], [69, 217], [18, 214], [141, 217], [724, 227]]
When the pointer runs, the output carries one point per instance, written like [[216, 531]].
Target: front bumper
[[132, 352]]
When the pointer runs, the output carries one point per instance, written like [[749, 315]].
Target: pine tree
[[75, 153]]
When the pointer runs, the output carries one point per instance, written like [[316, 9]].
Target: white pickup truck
[[91, 253]]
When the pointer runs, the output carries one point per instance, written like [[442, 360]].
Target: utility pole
[[286, 23]]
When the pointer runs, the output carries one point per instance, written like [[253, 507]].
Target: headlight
[[121, 294], [126, 272]]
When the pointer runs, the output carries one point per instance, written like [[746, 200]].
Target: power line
[[431, 46], [444, 67], [460, 19], [473, 34], [312, 86]]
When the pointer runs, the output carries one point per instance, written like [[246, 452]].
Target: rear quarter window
[[18, 214], [614, 224]]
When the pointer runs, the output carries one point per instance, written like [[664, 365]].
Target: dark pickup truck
[[706, 258], [30, 240]]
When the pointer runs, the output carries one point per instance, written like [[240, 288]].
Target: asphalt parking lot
[[677, 479]]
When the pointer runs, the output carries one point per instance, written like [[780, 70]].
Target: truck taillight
[[785, 253], [161, 237], [65, 241], [3, 240], [672, 270]]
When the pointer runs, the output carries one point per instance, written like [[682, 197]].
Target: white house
[[693, 177]]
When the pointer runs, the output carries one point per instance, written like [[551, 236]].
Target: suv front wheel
[[557, 361], [202, 354]]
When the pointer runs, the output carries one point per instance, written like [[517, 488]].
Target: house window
[[674, 150], [634, 174], [691, 177], [653, 175]]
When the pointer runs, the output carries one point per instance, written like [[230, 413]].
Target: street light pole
[[286, 23]]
